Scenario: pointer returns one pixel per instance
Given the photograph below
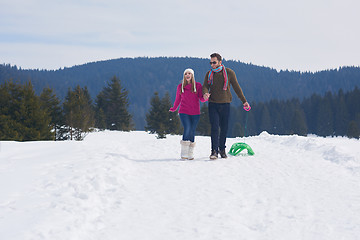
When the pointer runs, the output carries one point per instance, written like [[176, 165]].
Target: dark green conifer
[[51, 104], [79, 114], [112, 107], [159, 119]]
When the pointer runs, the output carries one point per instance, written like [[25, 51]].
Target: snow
[[131, 185]]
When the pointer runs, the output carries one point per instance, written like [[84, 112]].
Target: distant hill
[[144, 76]]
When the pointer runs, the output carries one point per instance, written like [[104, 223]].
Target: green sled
[[236, 148]]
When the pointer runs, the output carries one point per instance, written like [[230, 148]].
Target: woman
[[188, 94]]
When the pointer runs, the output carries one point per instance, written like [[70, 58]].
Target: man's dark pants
[[219, 114]]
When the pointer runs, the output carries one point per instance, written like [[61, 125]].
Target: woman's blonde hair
[[192, 81]]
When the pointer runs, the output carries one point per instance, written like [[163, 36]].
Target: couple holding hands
[[216, 90]]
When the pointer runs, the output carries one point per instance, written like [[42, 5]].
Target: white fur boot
[[184, 149], [191, 150]]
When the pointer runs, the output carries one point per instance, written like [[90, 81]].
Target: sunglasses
[[211, 63]]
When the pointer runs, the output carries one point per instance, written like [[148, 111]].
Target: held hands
[[206, 96]]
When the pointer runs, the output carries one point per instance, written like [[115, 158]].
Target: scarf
[[219, 69]]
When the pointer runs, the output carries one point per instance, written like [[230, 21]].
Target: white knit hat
[[189, 70], [194, 84]]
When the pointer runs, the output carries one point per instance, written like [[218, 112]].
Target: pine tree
[[21, 116], [153, 118], [9, 129], [237, 130], [325, 120], [204, 127], [276, 114], [278, 123], [38, 120], [100, 119], [298, 123], [173, 125], [10, 97], [79, 114], [51, 104], [235, 123], [353, 130], [249, 120], [341, 118], [159, 119], [311, 108], [353, 100], [112, 107], [265, 124]]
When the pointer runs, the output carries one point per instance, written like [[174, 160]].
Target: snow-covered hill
[[131, 186]]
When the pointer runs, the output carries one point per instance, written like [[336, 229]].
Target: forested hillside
[[144, 76]]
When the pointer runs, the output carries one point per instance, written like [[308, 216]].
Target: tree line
[[25, 116], [162, 74], [329, 115]]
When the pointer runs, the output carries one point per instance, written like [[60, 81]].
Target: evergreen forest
[[143, 76], [24, 116], [136, 94]]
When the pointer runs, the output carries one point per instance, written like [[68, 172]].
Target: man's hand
[[247, 106]]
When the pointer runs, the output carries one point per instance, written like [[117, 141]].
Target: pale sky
[[308, 35]]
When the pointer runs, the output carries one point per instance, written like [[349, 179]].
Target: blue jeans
[[189, 123], [219, 114]]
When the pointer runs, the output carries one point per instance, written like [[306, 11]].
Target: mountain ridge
[[143, 76]]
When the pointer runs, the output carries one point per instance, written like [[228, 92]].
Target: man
[[216, 89]]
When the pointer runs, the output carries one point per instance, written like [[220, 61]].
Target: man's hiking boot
[[223, 153], [214, 155]]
